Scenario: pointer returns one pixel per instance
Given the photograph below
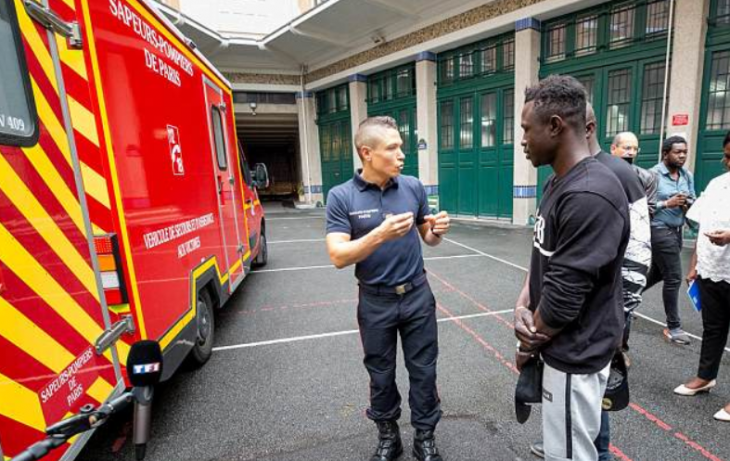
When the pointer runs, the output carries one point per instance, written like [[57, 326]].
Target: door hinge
[[223, 106], [110, 336], [231, 180], [241, 248], [51, 21]]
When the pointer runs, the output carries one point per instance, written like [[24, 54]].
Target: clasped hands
[[530, 339]]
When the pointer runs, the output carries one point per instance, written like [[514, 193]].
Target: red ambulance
[[127, 208]]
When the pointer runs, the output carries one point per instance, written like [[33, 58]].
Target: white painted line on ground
[[343, 333], [295, 241], [306, 268], [503, 261], [295, 218], [645, 317]]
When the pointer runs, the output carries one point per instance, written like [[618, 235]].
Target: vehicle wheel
[[263, 257], [205, 333]]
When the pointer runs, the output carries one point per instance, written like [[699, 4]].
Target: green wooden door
[[476, 153], [715, 115], [336, 151], [629, 99]]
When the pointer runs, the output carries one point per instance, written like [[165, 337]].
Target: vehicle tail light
[[112, 278]]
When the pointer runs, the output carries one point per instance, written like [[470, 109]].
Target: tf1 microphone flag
[[144, 364]]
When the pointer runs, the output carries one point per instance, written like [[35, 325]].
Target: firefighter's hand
[[719, 237], [521, 358], [678, 200], [396, 226], [439, 223], [530, 338]]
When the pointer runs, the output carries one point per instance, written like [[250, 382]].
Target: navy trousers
[[381, 316]]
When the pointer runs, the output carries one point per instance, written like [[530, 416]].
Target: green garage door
[[476, 129], [335, 136], [715, 106], [617, 51], [393, 93]]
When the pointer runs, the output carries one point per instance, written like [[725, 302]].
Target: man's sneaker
[[677, 336], [389, 443], [424, 446], [538, 449]]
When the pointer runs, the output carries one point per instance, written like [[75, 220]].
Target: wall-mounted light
[[253, 106]]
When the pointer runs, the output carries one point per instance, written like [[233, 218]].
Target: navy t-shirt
[[356, 207]]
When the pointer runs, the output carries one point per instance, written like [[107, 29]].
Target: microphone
[[144, 368]]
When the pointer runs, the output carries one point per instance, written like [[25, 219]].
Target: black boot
[[389, 444], [424, 446]]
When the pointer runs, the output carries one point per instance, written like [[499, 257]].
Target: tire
[[205, 330], [263, 257]]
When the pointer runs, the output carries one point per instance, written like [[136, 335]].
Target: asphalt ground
[[286, 381]]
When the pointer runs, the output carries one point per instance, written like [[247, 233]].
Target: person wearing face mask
[[710, 268], [676, 193]]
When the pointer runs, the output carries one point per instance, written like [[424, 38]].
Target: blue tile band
[[357, 78], [426, 56], [524, 191], [306, 94], [527, 23]]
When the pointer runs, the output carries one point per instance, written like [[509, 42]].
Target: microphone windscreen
[[144, 363]]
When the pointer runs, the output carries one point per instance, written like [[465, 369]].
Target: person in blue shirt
[[376, 221], [675, 194]]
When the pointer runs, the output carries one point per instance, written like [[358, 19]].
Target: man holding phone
[[374, 221], [675, 194]]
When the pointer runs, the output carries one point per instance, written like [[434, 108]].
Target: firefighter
[[374, 221]]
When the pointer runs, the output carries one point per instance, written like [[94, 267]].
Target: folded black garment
[[529, 389]]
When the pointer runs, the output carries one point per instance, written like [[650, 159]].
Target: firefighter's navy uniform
[[394, 296]]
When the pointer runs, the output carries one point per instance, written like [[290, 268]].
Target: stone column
[[687, 65], [427, 135], [527, 65], [358, 110], [310, 160]]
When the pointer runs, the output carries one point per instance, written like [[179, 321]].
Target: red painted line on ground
[[479, 305], [615, 451], [498, 355], [656, 420]]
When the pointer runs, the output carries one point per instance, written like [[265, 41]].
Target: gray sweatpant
[[571, 413]]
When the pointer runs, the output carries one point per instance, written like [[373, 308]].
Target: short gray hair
[[365, 135]]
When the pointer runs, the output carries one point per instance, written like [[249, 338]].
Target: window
[[331, 99], [17, 109], [508, 50], [718, 104], [651, 98], [326, 147], [657, 17], [619, 101], [508, 117], [374, 89], [588, 82], [466, 67], [489, 59], [342, 98], [388, 87], [586, 35], [556, 43], [446, 128], [466, 135], [722, 12], [447, 70], [489, 119], [244, 166], [404, 83], [404, 128], [622, 26], [220, 141]]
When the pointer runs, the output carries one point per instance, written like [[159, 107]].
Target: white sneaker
[[686, 391], [722, 415]]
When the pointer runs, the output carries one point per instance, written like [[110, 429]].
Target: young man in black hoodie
[[573, 311]]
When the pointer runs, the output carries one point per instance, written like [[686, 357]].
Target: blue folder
[[694, 295]]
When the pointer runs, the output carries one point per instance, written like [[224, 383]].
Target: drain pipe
[[304, 115], [666, 77]]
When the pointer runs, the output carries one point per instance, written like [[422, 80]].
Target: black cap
[[529, 389], [616, 396]]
